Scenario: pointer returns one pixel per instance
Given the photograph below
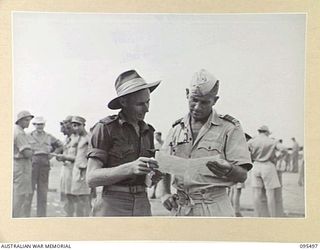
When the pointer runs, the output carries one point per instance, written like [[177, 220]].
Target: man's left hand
[[219, 167]]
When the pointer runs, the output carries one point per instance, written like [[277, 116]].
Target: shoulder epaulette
[[177, 122], [109, 119], [231, 119]]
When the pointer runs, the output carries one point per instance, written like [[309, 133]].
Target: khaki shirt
[[70, 149], [79, 185], [43, 143], [114, 142], [263, 148], [216, 137]]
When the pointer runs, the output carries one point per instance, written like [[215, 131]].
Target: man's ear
[[123, 101], [187, 93]]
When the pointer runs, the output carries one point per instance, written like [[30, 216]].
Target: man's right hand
[[169, 201], [142, 166], [60, 157]]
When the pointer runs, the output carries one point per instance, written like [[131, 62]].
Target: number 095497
[[308, 246]]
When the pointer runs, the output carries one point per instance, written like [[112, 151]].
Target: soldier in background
[[203, 133], [22, 168], [69, 148], [79, 186], [265, 180], [42, 144]]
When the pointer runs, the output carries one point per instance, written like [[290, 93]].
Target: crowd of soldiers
[[32, 154], [119, 157]]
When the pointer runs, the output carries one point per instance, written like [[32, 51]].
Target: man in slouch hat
[[120, 149]]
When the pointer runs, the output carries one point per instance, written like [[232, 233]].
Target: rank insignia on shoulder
[[177, 122], [231, 119], [108, 119]]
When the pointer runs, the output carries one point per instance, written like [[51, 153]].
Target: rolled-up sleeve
[[22, 142], [55, 143], [236, 148], [99, 143]]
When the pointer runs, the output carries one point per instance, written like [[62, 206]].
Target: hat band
[[130, 85]]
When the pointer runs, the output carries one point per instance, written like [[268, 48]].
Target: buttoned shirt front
[[114, 142], [43, 143], [216, 137]]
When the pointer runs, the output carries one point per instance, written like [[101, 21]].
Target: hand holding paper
[[219, 167]]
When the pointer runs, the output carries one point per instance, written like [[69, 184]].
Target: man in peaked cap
[[42, 144], [120, 149], [264, 174], [22, 155], [201, 191]]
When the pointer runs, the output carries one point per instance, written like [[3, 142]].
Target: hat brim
[[263, 130], [81, 123], [24, 117], [115, 104]]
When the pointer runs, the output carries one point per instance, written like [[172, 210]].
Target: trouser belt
[[205, 195], [126, 189]]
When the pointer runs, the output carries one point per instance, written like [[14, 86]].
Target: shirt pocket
[[209, 148], [121, 154]]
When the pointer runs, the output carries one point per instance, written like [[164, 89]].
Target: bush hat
[[129, 82]]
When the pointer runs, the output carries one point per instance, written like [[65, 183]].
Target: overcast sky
[[66, 64]]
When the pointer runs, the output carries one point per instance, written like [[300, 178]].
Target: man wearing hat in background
[[42, 145], [120, 149], [264, 174], [21, 164], [79, 186], [69, 148], [201, 191]]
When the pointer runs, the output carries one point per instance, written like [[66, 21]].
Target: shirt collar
[[214, 118], [122, 120], [34, 132]]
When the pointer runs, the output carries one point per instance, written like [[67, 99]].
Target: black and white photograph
[[166, 115]]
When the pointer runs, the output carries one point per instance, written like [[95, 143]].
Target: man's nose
[[197, 105]]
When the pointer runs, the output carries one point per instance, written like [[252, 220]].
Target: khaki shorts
[[264, 175]]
